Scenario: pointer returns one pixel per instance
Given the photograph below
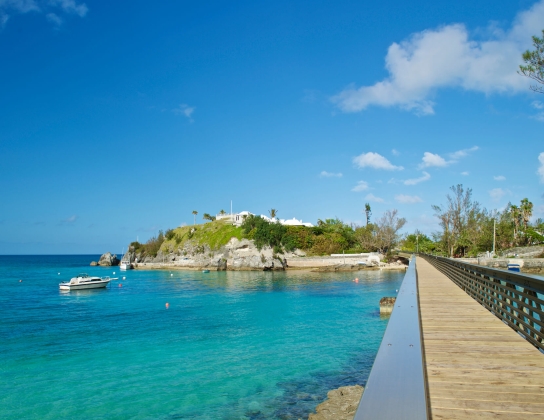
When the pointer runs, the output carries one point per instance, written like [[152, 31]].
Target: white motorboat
[[84, 281], [125, 265]]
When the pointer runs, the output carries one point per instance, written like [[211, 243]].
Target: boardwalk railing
[[396, 388], [517, 299]]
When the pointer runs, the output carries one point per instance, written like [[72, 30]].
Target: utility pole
[[493, 237], [417, 243]]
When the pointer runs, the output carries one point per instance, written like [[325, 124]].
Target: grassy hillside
[[214, 234]]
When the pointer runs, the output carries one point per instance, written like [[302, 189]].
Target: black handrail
[[517, 299]]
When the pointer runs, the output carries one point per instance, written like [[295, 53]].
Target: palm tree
[[526, 210], [273, 213], [515, 213], [194, 214], [368, 212], [209, 217], [222, 212]]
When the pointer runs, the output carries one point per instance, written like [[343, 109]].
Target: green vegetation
[[214, 234], [467, 229], [328, 237], [534, 60], [418, 241], [151, 247]]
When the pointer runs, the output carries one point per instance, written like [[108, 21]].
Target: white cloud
[[462, 153], [53, 18], [373, 198], [541, 168], [537, 105], [395, 152], [499, 178], [325, 174], [497, 193], [376, 161], [426, 176], [70, 6], [68, 221], [465, 173], [361, 186], [49, 7], [185, 110], [21, 6], [431, 159], [408, 199], [447, 57]]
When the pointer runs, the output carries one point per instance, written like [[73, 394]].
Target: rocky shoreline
[[341, 404], [243, 255]]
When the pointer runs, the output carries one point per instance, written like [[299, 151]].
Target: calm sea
[[232, 345]]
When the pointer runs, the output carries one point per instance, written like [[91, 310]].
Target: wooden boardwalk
[[477, 367]]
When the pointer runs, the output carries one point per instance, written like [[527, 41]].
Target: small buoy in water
[[397, 290], [171, 274], [124, 277], [20, 281], [120, 285], [167, 305], [356, 280], [114, 272], [58, 274]]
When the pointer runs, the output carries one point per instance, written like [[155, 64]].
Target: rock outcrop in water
[[108, 259], [341, 404], [386, 305]]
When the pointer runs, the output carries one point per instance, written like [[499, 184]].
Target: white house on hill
[[238, 218]]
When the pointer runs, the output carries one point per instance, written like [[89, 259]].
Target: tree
[[222, 212], [207, 216], [194, 214], [515, 214], [535, 63], [368, 213], [526, 211], [387, 228], [457, 219], [418, 241], [366, 237], [273, 213]]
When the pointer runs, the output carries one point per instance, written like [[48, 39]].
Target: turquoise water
[[231, 345]]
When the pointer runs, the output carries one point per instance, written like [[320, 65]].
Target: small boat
[[125, 265], [205, 271], [84, 281], [514, 267]]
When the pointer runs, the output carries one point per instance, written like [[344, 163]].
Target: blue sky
[[118, 119]]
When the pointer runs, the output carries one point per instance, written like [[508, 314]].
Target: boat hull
[[125, 266], [93, 285]]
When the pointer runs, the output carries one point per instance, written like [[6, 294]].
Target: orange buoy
[[120, 285], [167, 305]]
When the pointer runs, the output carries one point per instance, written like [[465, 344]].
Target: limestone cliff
[[237, 254]]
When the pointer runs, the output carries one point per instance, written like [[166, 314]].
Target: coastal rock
[[337, 267], [222, 265], [341, 404], [108, 259], [386, 305], [93, 263]]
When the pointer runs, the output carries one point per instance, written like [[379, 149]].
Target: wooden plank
[[477, 367]]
